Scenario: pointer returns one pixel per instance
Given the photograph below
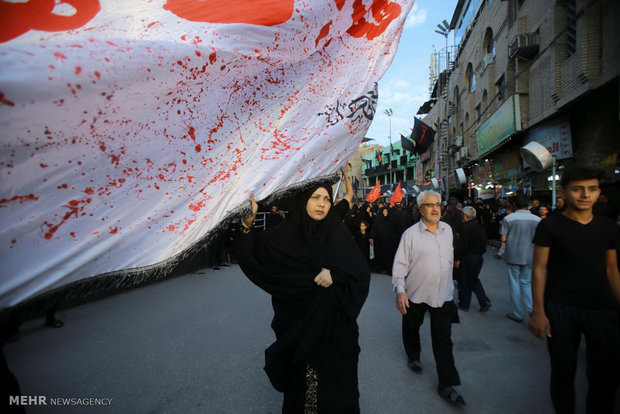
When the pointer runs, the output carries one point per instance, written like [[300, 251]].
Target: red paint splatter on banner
[[197, 206], [383, 12], [21, 199], [38, 15], [324, 31], [78, 70], [60, 56], [6, 101], [232, 11], [76, 209]]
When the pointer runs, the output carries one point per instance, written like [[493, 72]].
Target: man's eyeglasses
[[431, 205]]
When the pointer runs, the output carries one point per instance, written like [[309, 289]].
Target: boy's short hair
[[581, 172]]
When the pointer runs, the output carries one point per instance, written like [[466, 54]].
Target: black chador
[[316, 350]]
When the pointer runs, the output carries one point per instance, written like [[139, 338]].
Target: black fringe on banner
[[106, 284]]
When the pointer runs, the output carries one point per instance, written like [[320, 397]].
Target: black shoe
[[449, 394], [485, 307], [224, 265], [415, 366], [215, 268], [54, 323], [464, 309]]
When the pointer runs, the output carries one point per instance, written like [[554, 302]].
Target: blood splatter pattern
[[131, 129]]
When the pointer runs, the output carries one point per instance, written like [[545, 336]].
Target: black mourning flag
[[421, 138], [407, 144]]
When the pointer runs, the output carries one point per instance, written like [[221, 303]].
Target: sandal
[[451, 395]]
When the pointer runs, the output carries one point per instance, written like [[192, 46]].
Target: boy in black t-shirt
[[576, 290]]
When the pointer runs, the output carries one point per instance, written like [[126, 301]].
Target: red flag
[[374, 193], [379, 157], [397, 197]]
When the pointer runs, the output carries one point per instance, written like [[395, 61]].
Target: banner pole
[[337, 187]]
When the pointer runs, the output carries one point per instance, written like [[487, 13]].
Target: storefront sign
[[506, 165], [486, 193], [426, 155], [501, 125], [554, 135], [419, 171], [482, 174]]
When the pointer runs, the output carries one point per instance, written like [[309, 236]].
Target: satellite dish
[[460, 176], [435, 183], [537, 156]]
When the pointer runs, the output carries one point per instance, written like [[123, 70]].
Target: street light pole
[[389, 113], [444, 30]]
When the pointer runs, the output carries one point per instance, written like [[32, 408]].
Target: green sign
[[501, 125]]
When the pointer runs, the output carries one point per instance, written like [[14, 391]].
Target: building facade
[[522, 71]]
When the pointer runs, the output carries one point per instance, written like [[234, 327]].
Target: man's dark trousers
[[441, 331], [601, 330], [471, 267]]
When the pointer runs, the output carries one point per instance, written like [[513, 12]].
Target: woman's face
[[318, 204], [363, 227], [385, 213]]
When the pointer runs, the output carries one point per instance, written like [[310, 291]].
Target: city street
[[194, 344]]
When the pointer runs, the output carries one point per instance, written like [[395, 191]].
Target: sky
[[405, 85]]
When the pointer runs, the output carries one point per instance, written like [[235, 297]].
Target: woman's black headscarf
[[310, 322]]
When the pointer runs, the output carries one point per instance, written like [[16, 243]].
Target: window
[[471, 76], [489, 43], [478, 113], [485, 103], [501, 89]]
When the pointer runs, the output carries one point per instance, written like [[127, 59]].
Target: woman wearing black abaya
[[381, 239], [318, 281]]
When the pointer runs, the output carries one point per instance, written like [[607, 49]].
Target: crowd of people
[[319, 282]]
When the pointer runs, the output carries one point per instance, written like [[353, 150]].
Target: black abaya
[[381, 234], [315, 327]]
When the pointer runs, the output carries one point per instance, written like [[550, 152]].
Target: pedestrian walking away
[[517, 231], [318, 281], [422, 279], [474, 246]]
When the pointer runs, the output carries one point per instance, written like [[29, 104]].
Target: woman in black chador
[[381, 239], [318, 282]]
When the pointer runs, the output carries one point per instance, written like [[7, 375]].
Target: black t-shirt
[[577, 267]]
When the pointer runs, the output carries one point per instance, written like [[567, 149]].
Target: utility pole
[[389, 113]]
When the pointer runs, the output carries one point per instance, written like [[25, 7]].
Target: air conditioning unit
[[458, 141], [464, 152], [457, 156], [487, 60], [525, 45]]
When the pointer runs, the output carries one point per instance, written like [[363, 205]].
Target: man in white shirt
[[422, 279]]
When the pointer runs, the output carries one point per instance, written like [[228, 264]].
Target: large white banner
[[130, 129]]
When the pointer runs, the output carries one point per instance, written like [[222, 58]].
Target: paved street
[[194, 344]]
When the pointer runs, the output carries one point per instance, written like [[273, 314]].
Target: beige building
[[356, 169], [521, 71]]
